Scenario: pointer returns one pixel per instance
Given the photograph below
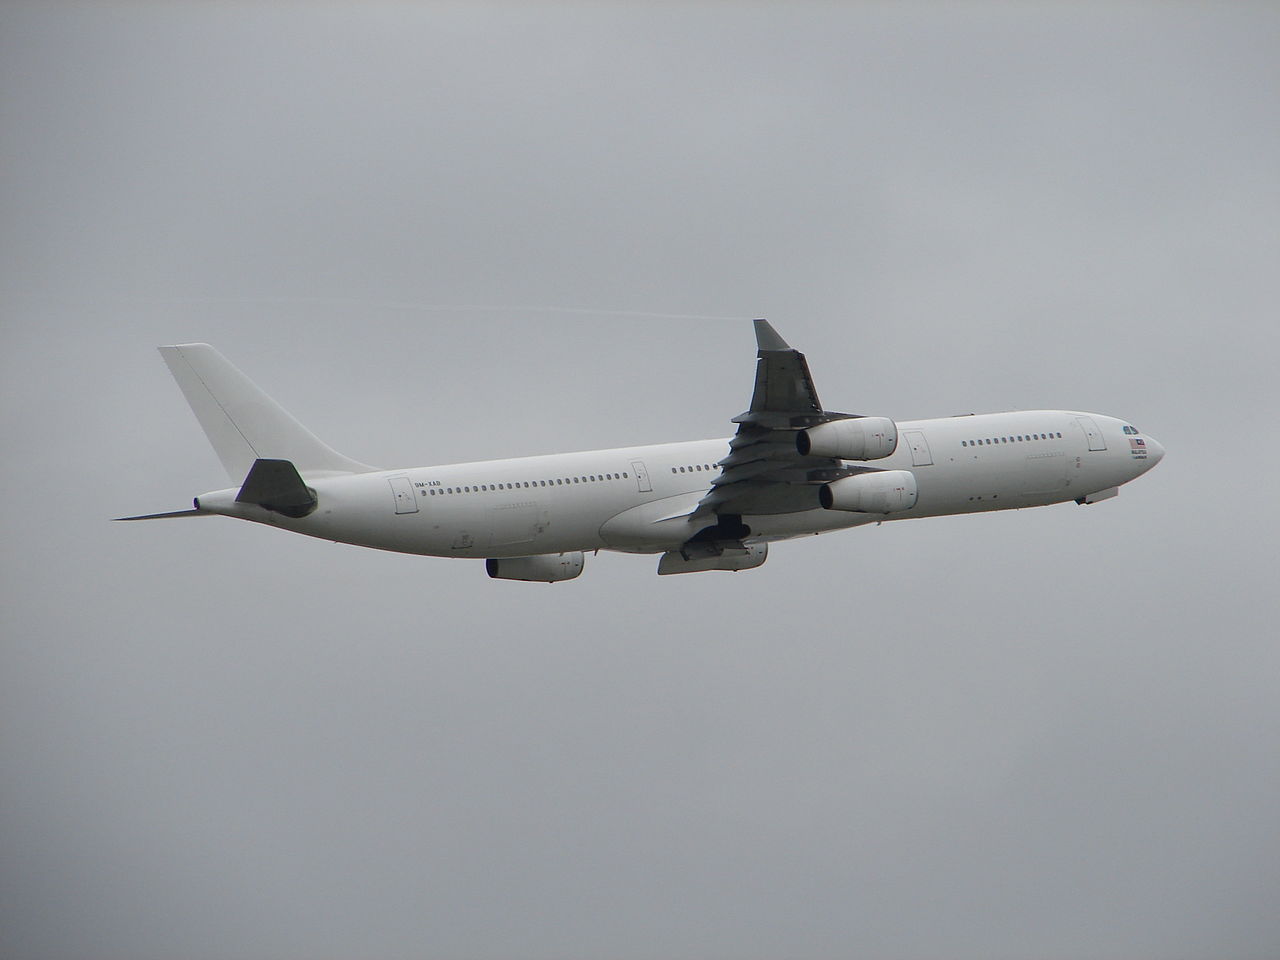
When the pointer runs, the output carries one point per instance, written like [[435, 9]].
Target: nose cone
[[1155, 452]]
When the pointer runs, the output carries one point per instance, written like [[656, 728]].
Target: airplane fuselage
[[640, 499]]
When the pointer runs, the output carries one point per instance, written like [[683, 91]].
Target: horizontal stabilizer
[[276, 486], [165, 516]]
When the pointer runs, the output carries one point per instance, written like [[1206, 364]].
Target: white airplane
[[792, 469]]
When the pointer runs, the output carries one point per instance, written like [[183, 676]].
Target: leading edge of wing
[[763, 471]]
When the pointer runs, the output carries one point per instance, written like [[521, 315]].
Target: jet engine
[[543, 568], [860, 438], [885, 491], [732, 558]]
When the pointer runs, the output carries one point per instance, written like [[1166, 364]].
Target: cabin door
[[405, 499], [920, 455], [1091, 433], [642, 476]]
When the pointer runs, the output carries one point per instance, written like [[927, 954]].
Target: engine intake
[[861, 438], [542, 568], [885, 491]]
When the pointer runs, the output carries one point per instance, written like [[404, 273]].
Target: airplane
[[792, 469]]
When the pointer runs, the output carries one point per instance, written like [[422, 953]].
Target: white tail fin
[[242, 422]]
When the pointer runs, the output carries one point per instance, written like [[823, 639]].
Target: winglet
[[767, 338]]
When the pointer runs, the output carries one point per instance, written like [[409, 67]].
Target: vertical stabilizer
[[242, 422]]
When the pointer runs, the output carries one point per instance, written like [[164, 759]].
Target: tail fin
[[243, 423]]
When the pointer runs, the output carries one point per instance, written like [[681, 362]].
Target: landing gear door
[[1092, 433]]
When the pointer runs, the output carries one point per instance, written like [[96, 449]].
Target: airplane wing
[[764, 472]]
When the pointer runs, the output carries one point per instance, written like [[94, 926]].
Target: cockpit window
[[1133, 431]]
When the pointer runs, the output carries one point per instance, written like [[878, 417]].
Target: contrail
[[440, 307]]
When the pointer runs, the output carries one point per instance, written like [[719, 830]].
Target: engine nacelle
[[886, 491], [543, 568], [733, 558], [861, 438]]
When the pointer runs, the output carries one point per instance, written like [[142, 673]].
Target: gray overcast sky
[[1041, 734]]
